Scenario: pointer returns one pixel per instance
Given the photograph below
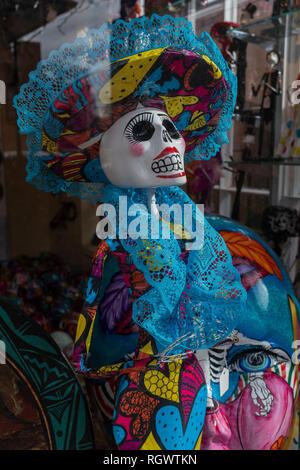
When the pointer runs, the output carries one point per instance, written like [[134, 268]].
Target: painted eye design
[[171, 129], [257, 360], [140, 128]]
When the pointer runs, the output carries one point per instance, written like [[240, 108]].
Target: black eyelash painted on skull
[[140, 128]]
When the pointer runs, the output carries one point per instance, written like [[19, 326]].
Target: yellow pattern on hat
[[217, 71], [175, 104], [125, 81], [198, 121], [48, 144]]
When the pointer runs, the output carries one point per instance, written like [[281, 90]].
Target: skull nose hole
[[171, 130], [165, 136]]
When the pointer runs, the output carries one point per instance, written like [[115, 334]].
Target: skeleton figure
[[260, 394], [271, 83], [152, 157], [139, 98], [109, 117]]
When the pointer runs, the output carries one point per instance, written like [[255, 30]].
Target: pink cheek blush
[[137, 149]]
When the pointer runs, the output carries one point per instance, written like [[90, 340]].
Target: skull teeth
[[169, 163]]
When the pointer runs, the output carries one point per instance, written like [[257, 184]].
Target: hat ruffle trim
[[109, 43]]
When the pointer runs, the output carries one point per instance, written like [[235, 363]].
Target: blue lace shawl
[[193, 304]]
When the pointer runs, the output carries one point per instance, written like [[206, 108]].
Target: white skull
[[143, 149]]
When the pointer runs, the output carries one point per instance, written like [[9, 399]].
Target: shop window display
[[164, 100], [169, 340]]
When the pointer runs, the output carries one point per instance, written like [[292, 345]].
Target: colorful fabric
[[106, 318], [185, 299], [195, 302], [260, 408], [152, 405], [82, 89], [161, 408]]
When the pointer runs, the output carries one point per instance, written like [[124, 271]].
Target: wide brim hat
[[76, 94]]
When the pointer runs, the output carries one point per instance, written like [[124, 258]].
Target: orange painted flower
[[240, 245]]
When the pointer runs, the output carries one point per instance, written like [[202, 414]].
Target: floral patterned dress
[[157, 405]]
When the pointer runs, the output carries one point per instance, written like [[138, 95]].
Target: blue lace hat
[[79, 91]]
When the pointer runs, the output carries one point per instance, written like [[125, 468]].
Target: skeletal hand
[[261, 395]]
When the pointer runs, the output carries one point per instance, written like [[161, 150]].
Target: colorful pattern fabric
[[82, 89], [185, 299], [194, 302], [161, 408], [261, 406], [106, 318], [157, 405]]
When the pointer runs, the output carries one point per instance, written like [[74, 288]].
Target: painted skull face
[[254, 374], [143, 149]]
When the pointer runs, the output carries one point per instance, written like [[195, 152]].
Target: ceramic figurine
[[113, 118]]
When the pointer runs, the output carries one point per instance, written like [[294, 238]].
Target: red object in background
[[136, 11], [202, 176], [219, 33], [130, 9]]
